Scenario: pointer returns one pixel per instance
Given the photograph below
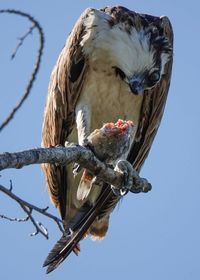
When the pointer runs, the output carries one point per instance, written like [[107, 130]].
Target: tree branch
[[21, 41], [28, 209], [37, 63], [72, 153]]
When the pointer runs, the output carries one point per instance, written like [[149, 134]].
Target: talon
[[69, 144], [68, 234], [126, 169], [58, 146], [76, 169], [119, 192], [85, 143]]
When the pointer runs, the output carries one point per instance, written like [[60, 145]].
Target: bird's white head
[[135, 45]]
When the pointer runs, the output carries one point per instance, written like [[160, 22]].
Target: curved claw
[[132, 181], [119, 192], [68, 233], [126, 168], [76, 169]]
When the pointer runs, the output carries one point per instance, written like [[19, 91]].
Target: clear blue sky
[[151, 236]]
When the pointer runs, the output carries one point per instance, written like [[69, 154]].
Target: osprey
[[116, 64]]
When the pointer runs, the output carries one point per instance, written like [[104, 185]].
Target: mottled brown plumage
[[106, 53], [59, 116]]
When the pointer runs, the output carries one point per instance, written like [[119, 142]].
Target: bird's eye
[[154, 77], [119, 72]]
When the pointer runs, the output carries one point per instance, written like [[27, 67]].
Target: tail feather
[[55, 253], [59, 253], [54, 265], [68, 242]]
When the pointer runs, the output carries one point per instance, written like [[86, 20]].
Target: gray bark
[[72, 153]]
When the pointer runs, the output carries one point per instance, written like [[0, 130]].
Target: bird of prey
[[116, 63]]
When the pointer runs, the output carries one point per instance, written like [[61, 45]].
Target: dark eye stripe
[[119, 72]]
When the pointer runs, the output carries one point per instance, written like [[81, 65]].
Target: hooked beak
[[136, 86]]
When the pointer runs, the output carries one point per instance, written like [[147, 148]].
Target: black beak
[[136, 87]]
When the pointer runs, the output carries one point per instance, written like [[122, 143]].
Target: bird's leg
[[83, 120], [123, 166], [76, 169]]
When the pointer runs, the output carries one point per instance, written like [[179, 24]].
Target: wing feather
[[64, 89], [152, 109]]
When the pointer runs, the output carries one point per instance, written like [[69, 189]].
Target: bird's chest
[[108, 97]]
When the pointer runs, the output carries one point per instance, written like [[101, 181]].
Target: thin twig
[[36, 66], [14, 219], [21, 40], [41, 229], [28, 209], [11, 186], [36, 224]]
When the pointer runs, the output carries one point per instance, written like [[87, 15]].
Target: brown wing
[[59, 117], [152, 109]]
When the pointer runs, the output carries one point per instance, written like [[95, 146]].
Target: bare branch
[[36, 66], [72, 153], [28, 208], [40, 228], [36, 224], [14, 219], [21, 40]]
